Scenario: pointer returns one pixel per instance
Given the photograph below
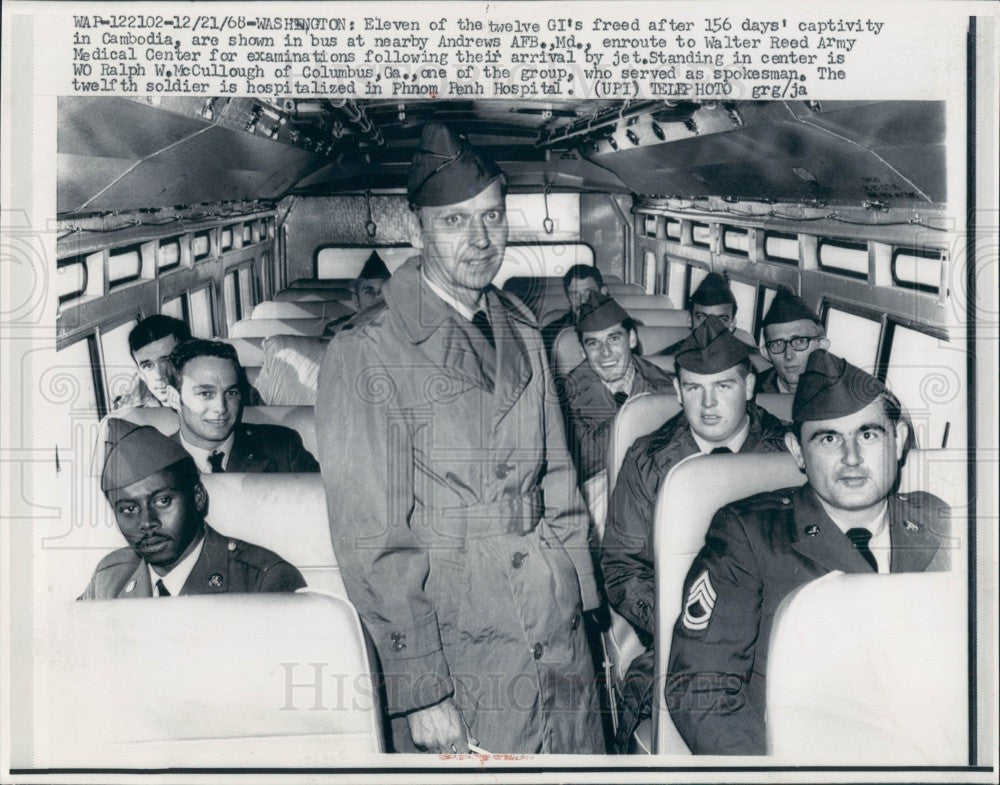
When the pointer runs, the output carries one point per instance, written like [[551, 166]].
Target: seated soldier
[[160, 504], [579, 282], [791, 332], [713, 297], [150, 343], [715, 383], [596, 389], [849, 439], [212, 386], [366, 290]]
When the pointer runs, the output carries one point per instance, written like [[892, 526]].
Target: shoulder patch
[[700, 603]]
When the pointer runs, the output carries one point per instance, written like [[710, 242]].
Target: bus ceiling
[[125, 153]]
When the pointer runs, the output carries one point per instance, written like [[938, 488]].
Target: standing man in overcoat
[[453, 503]]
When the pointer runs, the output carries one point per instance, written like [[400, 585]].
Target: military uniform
[[757, 551], [591, 409], [225, 565], [263, 448], [767, 381], [627, 552], [138, 394]]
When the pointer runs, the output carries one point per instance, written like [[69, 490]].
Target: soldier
[[160, 504], [791, 332], [579, 282], [713, 297], [150, 342], [848, 437], [715, 384], [457, 521], [597, 389], [365, 290], [212, 386]]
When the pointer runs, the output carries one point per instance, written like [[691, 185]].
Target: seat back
[[249, 350], [262, 328], [314, 294], [654, 339], [322, 283], [638, 416], [277, 680], [300, 419], [778, 404], [661, 317], [870, 669], [303, 309], [629, 300], [693, 490], [567, 352]]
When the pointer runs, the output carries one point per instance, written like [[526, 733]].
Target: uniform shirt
[[625, 383], [735, 443], [879, 544], [200, 454], [467, 313], [175, 579]]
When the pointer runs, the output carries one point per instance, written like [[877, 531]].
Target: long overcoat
[[455, 517]]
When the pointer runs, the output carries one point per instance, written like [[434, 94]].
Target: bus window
[[176, 307], [781, 247], [928, 376], [746, 304], [201, 246], [853, 337], [200, 310], [844, 258], [764, 298], [736, 241], [676, 275], [649, 272], [917, 269], [649, 226], [672, 229], [124, 265], [230, 295], [701, 234], [246, 288], [119, 367], [247, 233], [71, 278], [526, 215], [694, 280], [168, 254], [226, 239]]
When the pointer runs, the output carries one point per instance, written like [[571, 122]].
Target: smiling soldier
[[848, 436], [458, 525], [160, 505], [597, 388]]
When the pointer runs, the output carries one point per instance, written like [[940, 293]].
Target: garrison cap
[[831, 387], [447, 169], [711, 348], [133, 452], [788, 307], [374, 268], [600, 312], [713, 290]]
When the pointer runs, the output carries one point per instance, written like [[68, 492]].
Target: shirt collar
[[200, 454], [179, 573], [735, 444], [880, 544], [782, 387], [466, 312]]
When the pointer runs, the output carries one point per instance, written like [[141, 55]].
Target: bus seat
[[654, 339], [321, 283], [661, 317], [629, 300], [253, 374], [616, 287], [262, 328], [665, 362], [247, 349], [306, 309], [595, 494], [313, 295], [291, 369], [778, 404], [689, 496], [223, 680], [567, 352], [844, 689]]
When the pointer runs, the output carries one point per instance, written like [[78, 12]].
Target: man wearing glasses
[[791, 332]]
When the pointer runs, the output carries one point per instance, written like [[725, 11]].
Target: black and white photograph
[[497, 390]]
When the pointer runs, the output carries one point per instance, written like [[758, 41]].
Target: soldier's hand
[[440, 729]]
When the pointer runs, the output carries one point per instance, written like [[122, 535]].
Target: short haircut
[[183, 353], [582, 272], [890, 405], [744, 367], [155, 327]]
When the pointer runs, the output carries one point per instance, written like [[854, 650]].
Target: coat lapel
[[914, 545], [210, 574], [138, 583], [513, 366], [818, 538]]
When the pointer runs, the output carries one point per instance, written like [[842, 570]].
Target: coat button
[[576, 622], [537, 651], [518, 560], [503, 471], [398, 646]]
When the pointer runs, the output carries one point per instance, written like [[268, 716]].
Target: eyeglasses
[[799, 343]]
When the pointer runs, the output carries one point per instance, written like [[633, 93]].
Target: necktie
[[860, 538], [620, 398], [721, 451], [482, 323], [161, 588], [215, 461]]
